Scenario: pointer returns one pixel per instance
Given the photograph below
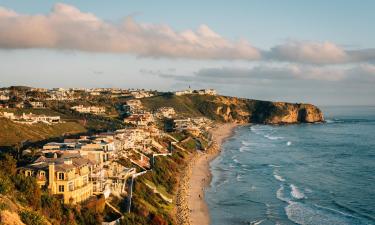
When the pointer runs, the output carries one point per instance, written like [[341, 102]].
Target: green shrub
[[6, 184], [51, 207], [32, 218]]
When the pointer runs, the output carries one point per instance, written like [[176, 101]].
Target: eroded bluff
[[231, 109]]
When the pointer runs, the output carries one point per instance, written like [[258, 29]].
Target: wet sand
[[191, 206]]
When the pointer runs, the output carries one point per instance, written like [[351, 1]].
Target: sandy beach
[[191, 207]]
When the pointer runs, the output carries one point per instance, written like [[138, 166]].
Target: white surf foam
[[270, 137], [245, 143], [303, 214], [278, 177], [239, 178], [244, 149], [255, 130], [289, 143], [329, 121], [280, 194], [296, 193], [256, 222], [276, 166]]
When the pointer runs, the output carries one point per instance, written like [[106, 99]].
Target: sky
[[322, 52]]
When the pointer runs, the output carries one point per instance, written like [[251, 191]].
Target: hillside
[[232, 109], [12, 133]]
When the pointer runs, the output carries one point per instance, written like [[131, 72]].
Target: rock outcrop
[[233, 109], [240, 110]]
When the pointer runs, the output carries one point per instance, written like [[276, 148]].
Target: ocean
[[297, 174]]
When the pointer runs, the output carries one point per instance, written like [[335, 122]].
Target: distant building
[[165, 112], [4, 97], [89, 109], [141, 94], [31, 118], [37, 105], [207, 92], [139, 119], [200, 92], [184, 92]]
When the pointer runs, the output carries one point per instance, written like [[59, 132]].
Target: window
[[85, 180], [61, 176], [71, 186], [61, 188], [28, 173], [42, 173]]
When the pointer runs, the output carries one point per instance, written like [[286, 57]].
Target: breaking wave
[[278, 177], [316, 215], [296, 193], [281, 195]]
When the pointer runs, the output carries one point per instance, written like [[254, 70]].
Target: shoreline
[[192, 208]]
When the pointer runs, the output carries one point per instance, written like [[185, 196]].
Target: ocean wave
[[289, 143], [260, 129], [304, 214], [239, 178], [256, 222], [354, 211], [278, 177], [296, 193], [245, 143], [270, 137], [219, 184], [344, 120], [244, 149], [281, 195], [272, 165]]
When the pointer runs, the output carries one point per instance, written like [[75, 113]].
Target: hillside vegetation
[[12, 133]]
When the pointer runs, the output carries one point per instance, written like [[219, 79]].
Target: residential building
[[89, 109], [4, 97], [65, 177], [165, 112], [37, 105]]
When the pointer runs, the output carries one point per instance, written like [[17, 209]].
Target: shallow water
[[304, 174]]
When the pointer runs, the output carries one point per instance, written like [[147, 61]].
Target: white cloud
[[318, 53], [309, 52], [359, 74], [66, 27]]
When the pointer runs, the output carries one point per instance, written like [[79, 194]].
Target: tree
[[8, 165]]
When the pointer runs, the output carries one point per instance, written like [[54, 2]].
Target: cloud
[[318, 53], [66, 27], [308, 52], [267, 73]]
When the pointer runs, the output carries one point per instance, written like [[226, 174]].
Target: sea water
[[298, 174]]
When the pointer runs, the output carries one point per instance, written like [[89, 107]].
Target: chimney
[[51, 177], [68, 161]]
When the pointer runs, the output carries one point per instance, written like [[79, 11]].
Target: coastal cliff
[[239, 110]]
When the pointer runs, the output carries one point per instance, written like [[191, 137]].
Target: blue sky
[[316, 51]]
